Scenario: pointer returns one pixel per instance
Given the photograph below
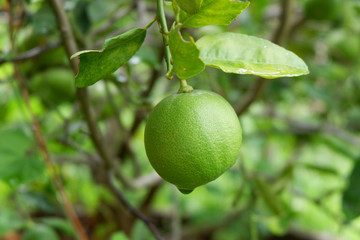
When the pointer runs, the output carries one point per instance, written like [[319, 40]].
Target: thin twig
[[71, 48], [95, 134], [133, 210], [279, 37], [118, 15], [32, 53]]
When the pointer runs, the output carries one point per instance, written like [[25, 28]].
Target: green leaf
[[243, 54], [96, 64], [14, 140], [119, 236], [60, 224], [269, 196], [185, 55], [213, 12], [19, 162], [10, 220], [351, 195], [190, 6], [40, 232], [320, 169]]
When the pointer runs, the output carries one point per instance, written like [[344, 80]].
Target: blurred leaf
[[119, 236], [284, 177], [268, 195], [322, 9], [39, 201], [99, 10], [336, 145], [17, 164], [44, 21], [9, 221], [54, 86], [320, 169], [14, 140], [96, 64], [149, 56], [343, 44], [59, 224], [141, 232], [242, 54], [185, 55], [351, 195], [190, 6], [18, 170], [277, 225], [219, 12], [40, 232], [82, 16]]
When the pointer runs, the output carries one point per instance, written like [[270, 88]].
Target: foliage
[[299, 165]]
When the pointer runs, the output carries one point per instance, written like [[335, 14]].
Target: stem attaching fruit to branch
[[184, 87]]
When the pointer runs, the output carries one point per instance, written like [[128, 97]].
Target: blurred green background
[[299, 172]]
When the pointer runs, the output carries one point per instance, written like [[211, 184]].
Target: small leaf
[[185, 55], [59, 224], [119, 236], [190, 6], [19, 163], [40, 232], [321, 169], [14, 140], [351, 195], [243, 54], [10, 220], [213, 12], [268, 194], [96, 64]]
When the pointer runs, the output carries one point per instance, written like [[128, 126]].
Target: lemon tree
[[192, 138]]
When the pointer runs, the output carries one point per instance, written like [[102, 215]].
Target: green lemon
[[192, 138]]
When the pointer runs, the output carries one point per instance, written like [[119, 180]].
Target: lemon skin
[[192, 138]]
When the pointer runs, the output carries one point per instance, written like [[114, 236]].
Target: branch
[[118, 15], [165, 34], [71, 48], [133, 210], [279, 36], [95, 134], [54, 175], [251, 96], [32, 53]]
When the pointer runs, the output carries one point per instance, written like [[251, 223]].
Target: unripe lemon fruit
[[192, 138]]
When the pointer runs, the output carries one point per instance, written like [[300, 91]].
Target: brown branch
[[71, 48], [69, 209], [54, 176], [280, 35], [95, 134], [32, 53], [118, 15], [133, 210]]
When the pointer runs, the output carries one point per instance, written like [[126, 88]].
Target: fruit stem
[[184, 87]]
